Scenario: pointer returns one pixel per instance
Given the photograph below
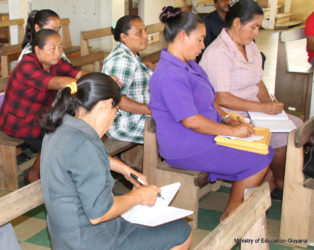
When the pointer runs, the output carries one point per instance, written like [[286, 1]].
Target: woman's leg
[[237, 191], [185, 245], [278, 166], [34, 171]]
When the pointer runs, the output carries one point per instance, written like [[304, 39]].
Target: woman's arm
[[59, 82], [141, 195], [227, 100], [203, 125], [129, 105], [229, 120]]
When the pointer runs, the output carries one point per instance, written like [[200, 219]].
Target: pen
[[274, 98], [143, 183]]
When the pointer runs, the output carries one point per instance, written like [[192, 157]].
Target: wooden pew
[[296, 203], [13, 22], [194, 184], [293, 85], [247, 222]]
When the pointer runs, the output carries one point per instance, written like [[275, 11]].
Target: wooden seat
[[296, 203], [293, 84], [194, 184]]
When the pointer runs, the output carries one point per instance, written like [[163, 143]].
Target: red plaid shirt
[[27, 96]]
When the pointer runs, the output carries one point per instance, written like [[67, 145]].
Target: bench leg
[[188, 194], [8, 167]]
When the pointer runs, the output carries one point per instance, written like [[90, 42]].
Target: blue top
[[214, 25], [77, 186], [180, 90]]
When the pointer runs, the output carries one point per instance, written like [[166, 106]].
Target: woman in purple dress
[[187, 118]]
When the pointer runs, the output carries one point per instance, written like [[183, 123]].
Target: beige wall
[[301, 9]]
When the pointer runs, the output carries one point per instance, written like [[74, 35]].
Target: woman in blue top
[[187, 118], [82, 212]]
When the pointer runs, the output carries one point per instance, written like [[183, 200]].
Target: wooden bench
[[296, 219], [194, 184], [247, 221], [293, 84]]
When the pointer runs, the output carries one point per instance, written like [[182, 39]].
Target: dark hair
[[39, 17], [91, 89], [41, 38], [176, 21], [246, 10], [122, 26]]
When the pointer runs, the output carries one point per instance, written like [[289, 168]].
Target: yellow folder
[[259, 147]]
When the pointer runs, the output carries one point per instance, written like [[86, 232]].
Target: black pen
[[143, 183]]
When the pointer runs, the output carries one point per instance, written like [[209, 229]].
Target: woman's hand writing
[[243, 130], [273, 108], [147, 194]]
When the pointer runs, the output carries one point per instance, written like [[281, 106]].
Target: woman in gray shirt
[[82, 212]]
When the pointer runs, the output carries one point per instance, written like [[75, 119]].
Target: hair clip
[[169, 14], [73, 87], [114, 26], [164, 8], [233, 2], [33, 13]]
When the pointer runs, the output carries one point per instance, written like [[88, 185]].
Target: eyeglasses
[[118, 114]]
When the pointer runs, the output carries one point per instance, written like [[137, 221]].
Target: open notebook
[[160, 213], [276, 123]]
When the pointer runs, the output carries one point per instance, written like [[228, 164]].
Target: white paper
[[263, 116], [275, 126], [276, 123], [249, 138], [160, 213]]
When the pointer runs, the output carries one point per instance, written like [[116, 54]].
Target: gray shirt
[[77, 186]]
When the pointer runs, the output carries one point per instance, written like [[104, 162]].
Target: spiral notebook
[[258, 143]]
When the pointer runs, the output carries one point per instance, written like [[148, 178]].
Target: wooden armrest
[[11, 50], [115, 147], [91, 34], [200, 178], [303, 134], [8, 140], [11, 22], [20, 201]]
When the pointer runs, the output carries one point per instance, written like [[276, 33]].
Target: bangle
[[225, 117]]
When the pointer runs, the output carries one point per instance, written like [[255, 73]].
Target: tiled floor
[[31, 228]]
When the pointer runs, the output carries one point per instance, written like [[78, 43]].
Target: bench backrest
[[20, 201], [66, 36], [13, 22]]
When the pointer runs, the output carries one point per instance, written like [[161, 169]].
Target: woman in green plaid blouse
[[125, 63]]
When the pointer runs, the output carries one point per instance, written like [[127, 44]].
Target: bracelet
[[225, 117]]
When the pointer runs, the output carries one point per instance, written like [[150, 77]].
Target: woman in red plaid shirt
[[31, 89]]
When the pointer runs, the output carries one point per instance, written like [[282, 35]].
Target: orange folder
[[259, 147]]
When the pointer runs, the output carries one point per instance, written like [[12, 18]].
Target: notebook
[[161, 212], [276, 123], [256, 144]]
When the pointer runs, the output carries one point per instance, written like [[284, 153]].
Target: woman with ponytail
[[37, 20], [187, 118], [82, 212], [31, 89]]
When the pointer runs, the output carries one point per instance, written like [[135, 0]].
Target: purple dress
[[177, 91]]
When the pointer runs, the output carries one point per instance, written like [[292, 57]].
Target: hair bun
[[169, 13]]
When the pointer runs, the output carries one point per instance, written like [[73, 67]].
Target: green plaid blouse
[[135, 76]]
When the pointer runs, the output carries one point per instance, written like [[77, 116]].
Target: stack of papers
[[276, 123], [256, 144], [160, 213]]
